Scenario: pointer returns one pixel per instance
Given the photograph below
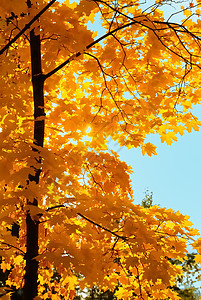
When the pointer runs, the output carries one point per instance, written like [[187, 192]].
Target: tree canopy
[[67, 87]]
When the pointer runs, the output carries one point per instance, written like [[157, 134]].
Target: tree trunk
[[31, 276]]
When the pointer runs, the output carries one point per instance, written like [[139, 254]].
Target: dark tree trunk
[[31, 276]]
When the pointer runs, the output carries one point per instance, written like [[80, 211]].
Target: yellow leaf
[[198, 258], [122, 293], [168, 137], [5, 266], [18, 259], [149, 149]]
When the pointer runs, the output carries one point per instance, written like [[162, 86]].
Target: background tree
[[185, 284], [64, 93], [188, 286], [147, 202]]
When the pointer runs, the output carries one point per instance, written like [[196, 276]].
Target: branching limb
[[27, 26], [72, 57], [124, 238], [174, 26], [11, 246]]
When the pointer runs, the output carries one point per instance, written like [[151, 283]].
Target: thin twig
[[56, 206], [124, 238]]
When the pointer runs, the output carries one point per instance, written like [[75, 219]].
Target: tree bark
[[30, 289]]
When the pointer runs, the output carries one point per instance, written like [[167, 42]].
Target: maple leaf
[[149, 149]]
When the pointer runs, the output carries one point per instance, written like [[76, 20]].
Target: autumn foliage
[[67, 88]]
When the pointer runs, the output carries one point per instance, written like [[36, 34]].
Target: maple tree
[[66, 89]]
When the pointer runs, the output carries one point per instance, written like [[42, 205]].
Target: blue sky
[[174, 175]]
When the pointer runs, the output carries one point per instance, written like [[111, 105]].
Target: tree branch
[[53, 207], [174, 26], [124, 238], [26, 27], [110, 33], [72, 57], [9, 245]]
